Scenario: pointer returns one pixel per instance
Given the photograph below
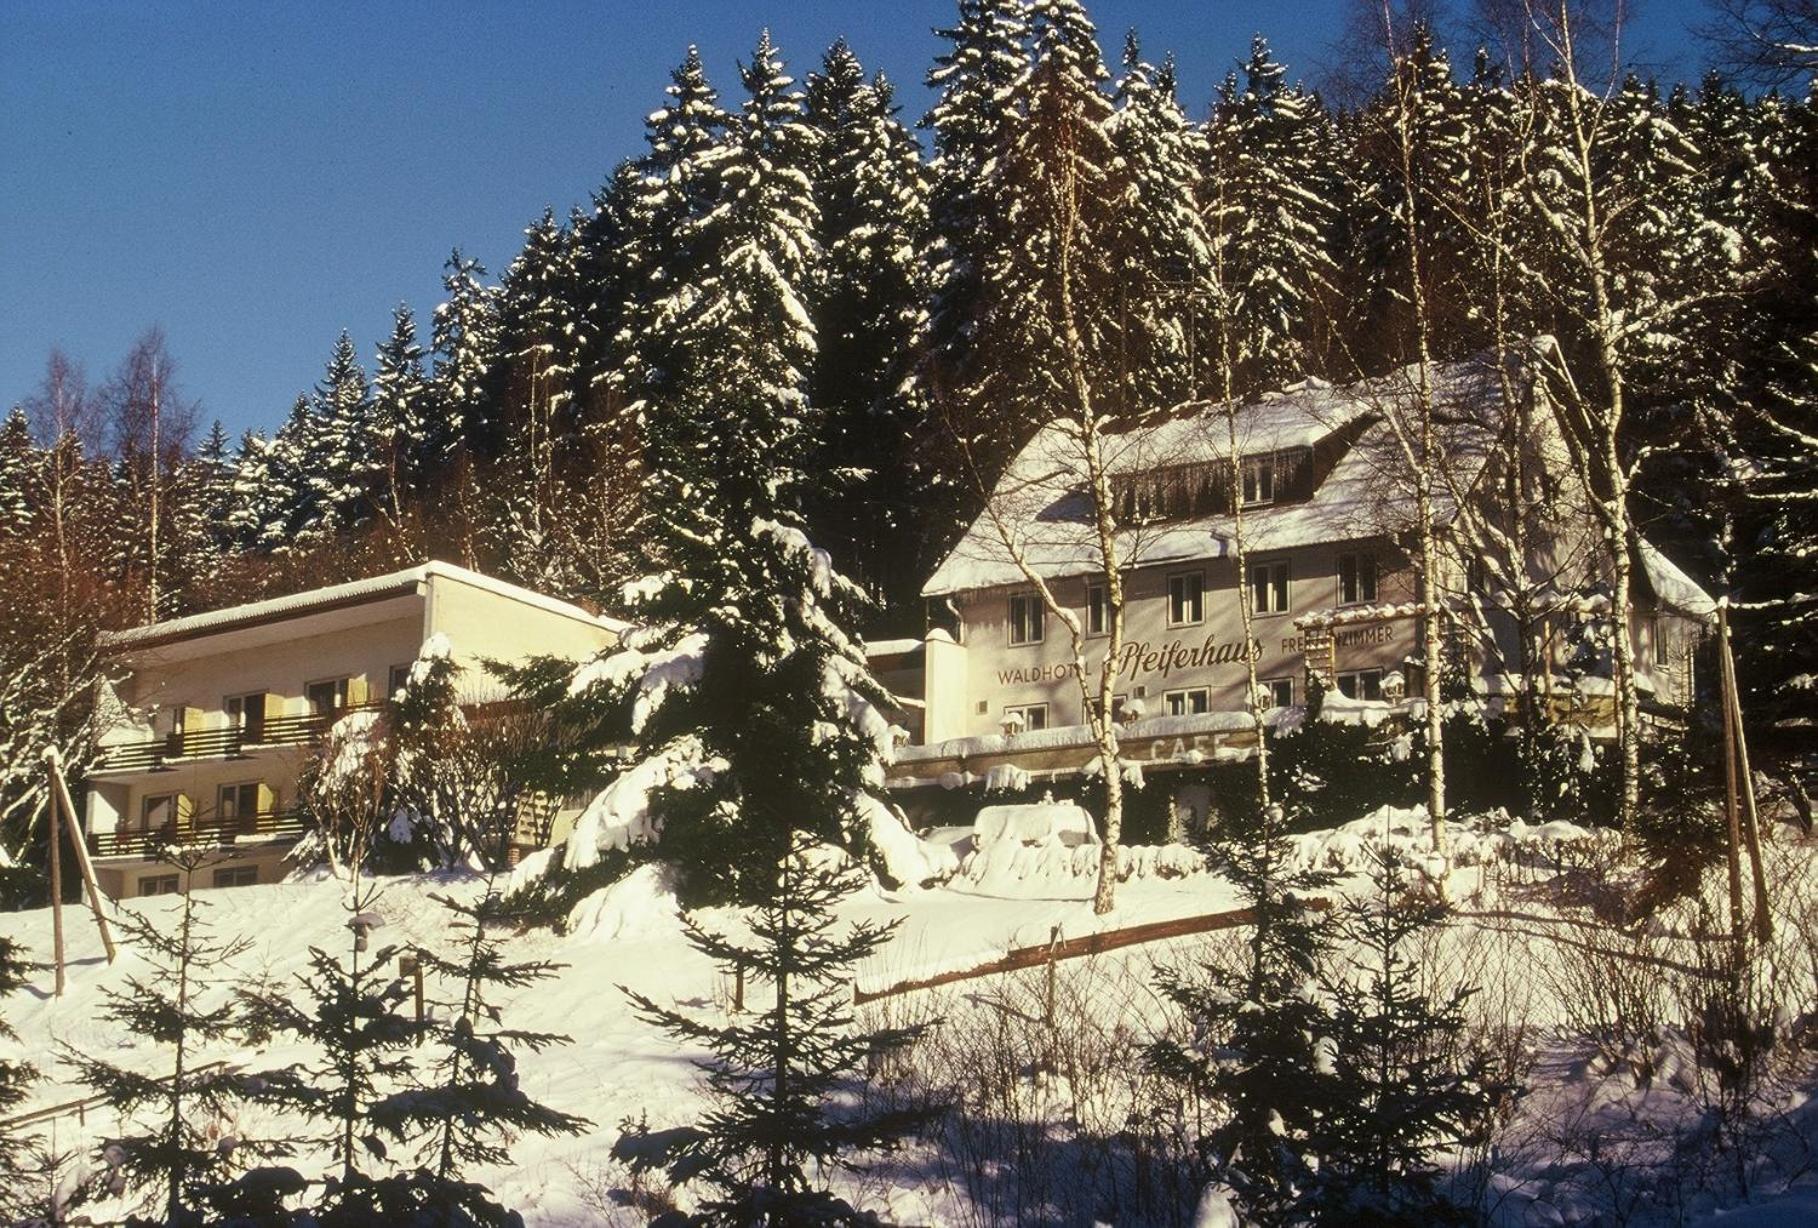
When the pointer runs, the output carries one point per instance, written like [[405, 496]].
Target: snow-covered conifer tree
[[180, 1136], [1271, 155], [16, 465], [870, 291], [776, 1131], [1159, 234], [1267, 1050], [1408, 1088], [464, 339], [340, 454], [401, 416]]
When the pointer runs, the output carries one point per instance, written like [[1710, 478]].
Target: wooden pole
[[56, 892], [1733, 847], [79, 842], [1751, 818]]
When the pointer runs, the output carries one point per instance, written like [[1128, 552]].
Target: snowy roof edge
[[351, 592]]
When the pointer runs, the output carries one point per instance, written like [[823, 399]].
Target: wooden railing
[[230, 743], [222, 833]]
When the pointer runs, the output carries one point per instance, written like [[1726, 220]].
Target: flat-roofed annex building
[[1329, 518], [210, 718]]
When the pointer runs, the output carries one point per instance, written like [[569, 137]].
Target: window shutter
[[356, 690], [274, 706], [268, 801], [186, 811]]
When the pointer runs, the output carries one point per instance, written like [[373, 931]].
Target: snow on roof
[[353, 592], [1672, 586], [1040, 504]]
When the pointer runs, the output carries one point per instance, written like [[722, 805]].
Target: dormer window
[[1259, 481]]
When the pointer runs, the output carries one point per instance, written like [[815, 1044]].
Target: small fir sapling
[[181, 1140], [777, 1125], [469, 1105], [1263, 1047], [1408, 1086], [350, 1009], [16, 1079]]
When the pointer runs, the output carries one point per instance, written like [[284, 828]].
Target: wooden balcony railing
[[230, 743], [218, 833]]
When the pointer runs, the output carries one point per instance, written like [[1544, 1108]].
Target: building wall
[[281, 664], [1159, 657], [484, 624]]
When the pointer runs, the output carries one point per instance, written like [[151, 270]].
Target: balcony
[[255, 829], [156, 754]]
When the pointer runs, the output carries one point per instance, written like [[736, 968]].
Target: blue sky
[[256, 177]]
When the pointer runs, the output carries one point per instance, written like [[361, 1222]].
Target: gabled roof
[[1041, 505], [336, 596]]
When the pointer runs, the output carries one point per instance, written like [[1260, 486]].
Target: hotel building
[[210, 718]]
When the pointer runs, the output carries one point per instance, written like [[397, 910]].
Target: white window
[[1186, 598], [236, 876], [1269, 587], [158, 884], [1280, 691], [1259, 481], [1098, 609], [1361, 684], [1189, 702], [1026, 622], [1025, 718], [327, 696], [1356, 579], [1657, 633]]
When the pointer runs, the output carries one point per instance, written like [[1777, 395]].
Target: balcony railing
[[229, 743], [216, 833]]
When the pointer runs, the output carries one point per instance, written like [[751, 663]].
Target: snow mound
[[1354, 846], [1052, 844], [1034, 823], [640, 905], [909, 859]]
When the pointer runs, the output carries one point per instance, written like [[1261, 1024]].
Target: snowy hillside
[[1525, 934]]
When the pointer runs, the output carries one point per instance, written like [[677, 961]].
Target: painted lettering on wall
[[1140, 657], [1347, 637], [1026, 674]]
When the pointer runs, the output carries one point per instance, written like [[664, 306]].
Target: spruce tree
[[401, 417], [869, 294], [1272, 158], [774, 1132], [341, 455], [16, 1079], [467, 1106], [172, 1149], [1406, 1087], [349, 1008], [968, 121], [464, 341], [664, 254], [1267, 1052], [1160, 236], [16, 465]]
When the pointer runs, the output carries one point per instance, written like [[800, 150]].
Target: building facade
[[209, 719], [1329, 541]]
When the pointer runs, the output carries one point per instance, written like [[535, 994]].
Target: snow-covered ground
[[1517, 921]]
